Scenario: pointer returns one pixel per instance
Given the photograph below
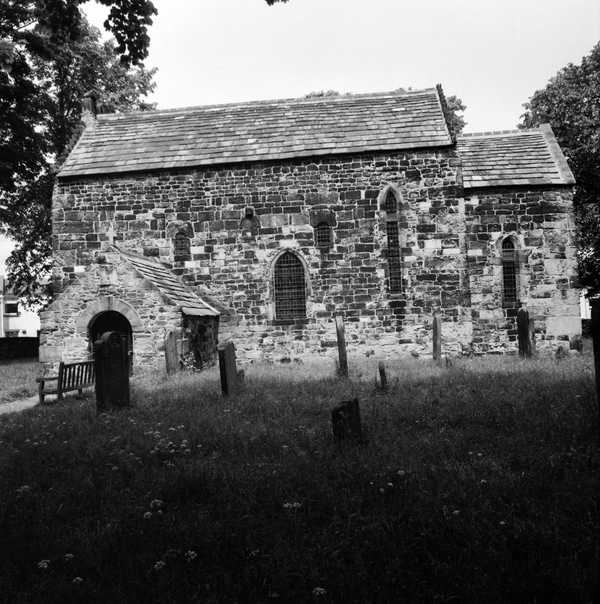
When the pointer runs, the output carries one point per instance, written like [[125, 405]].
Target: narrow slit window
[[390, 207], [323, 236], [509, 272], [393, 257], [390, 203], [290, 288], [250, 224], [181, 247]]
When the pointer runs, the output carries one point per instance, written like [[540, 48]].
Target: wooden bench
[[71, 376]]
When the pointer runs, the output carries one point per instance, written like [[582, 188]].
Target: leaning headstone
[[227, 368], [524, 333], [172, 352], [382, 376], [345, 421], [437, 337], [111, 363], [341, 342]]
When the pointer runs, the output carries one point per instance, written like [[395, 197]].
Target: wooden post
[[341, 342], [437, 337], [595, 304], [172, 352], [382, 376], [524, 333]]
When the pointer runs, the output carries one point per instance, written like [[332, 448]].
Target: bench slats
[[71, 376]]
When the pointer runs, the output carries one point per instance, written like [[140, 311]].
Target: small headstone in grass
[[345, 421], [111, 364], [576, 343], [560, 353], [437, 337], [341, 342], [227, 368], [382, 384]]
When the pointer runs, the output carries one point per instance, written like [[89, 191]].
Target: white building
[[15, 320]]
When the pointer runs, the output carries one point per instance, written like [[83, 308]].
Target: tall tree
[[570, 103], [44, 122]]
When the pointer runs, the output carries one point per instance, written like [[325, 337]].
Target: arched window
[[323, 236], [181, 247], [390, 206], [510, 266], [290, 288]]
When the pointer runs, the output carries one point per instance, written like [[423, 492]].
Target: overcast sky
[[492, 53]]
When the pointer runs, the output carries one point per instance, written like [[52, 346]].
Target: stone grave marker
[[595, 304], [524, 333], [230, 378], [437, 338], [341, 342], [172, 352], [345, 421], [382, 385], [111, 362]]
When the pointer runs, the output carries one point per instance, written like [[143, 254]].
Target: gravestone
[[595, 324], [437, 337], [341, 342], [382, 376], [230, 378], [345, 421], [111, 364], [172, 352], [524, 333]]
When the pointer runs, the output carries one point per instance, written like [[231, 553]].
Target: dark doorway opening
[[111, 320]]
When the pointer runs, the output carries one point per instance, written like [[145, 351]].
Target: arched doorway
[[111, 320]]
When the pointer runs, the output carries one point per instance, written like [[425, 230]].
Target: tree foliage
[[570, 103], [50, 57]]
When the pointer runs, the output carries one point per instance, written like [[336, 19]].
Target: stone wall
[[99, 287], [541, 224], [447, 245]]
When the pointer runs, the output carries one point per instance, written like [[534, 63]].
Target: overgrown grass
[[478, 483], [17, 379]]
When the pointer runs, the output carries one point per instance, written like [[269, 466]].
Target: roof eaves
[[443, 105], [557, 155]]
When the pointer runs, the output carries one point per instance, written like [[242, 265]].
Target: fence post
[[595, 307], [437, 337], [341, 342], [524, 333]]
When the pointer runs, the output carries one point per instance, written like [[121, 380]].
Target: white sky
[[491, 53]]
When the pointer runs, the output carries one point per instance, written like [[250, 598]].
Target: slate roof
[[161, 277], [263, 130], [513, 158]]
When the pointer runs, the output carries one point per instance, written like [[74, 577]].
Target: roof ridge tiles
[[259, 103], [513, 131]]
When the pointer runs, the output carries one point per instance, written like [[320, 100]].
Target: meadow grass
[[477, 483], [17, 379]]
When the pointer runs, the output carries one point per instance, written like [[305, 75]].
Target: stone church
[[260, 222]]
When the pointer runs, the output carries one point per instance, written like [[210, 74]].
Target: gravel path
[[19, 405]]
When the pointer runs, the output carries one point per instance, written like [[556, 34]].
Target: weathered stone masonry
[[238, 219]]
